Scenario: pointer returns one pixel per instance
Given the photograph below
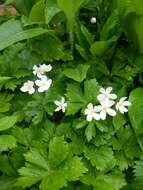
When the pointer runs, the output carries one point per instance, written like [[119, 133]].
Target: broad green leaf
[[7, 122], [91, 90], [75, 98], [78, 74], [119, 121], [37, 12], [4, 79], [50, 12], [58, 151], [7, 183], [90, 131], [12, 32], [136, 110], [100, 48], [7, 142]]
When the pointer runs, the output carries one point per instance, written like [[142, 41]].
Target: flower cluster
[[106, 100], [43, 83]]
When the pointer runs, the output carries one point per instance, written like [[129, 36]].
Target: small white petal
[[90, 106], [122, 99], [38, 82], [101, 97], [108, 90], [102, 90], [57, 109], [111, 112], [57, 103], [112, 96], [96, 116], [89, 117], [103, 115], [127, 103], [23, 89], [31, 91]]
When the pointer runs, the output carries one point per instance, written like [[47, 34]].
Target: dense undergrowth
[[51, 136]]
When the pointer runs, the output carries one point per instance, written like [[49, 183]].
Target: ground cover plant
[[71, 95]]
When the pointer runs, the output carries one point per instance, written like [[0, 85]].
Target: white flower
[[44, 84], [106, 94], [91, 112], [61, 105], [46, 68], [93, 20], [28, 87], [105, 108], [122, 104], [41, 70]]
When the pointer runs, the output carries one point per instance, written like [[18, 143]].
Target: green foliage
[[42, 148]]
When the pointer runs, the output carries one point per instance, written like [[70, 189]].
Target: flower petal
[[31, 91], [113, 96], [57, 109], [111, 112], [102, 90], [57, 102], [127, 103], [89, 117], [109, 89], [96, 116], [101, 97], [90, 106], [103, 115]]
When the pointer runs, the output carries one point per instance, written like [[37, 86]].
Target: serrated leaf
[[58, 151], [7, 142], [34, 157], [101, 157], [78, 73], [90, 131], [135, 110], [111, 181], [74, 168], [7, 122], [118, 121]]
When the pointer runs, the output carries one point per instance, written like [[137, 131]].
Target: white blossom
[[90, 111], [106, 94], [41, 70], [105, 108], [28, 87], [43, 84], [93, 20], [122, 104], [61, 105]]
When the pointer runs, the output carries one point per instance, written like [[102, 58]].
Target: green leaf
[[37, 12], [78, 74], [100, 48], [101, 157], [50, 12], [118, 121], [34, 157], [70, 9], [12, 32], [136, 110], [75, 98], [74, 168], [7, 122], [111, 181], [4, 79], [90, 131], [7, 142], [91, 90], [58, 151]]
